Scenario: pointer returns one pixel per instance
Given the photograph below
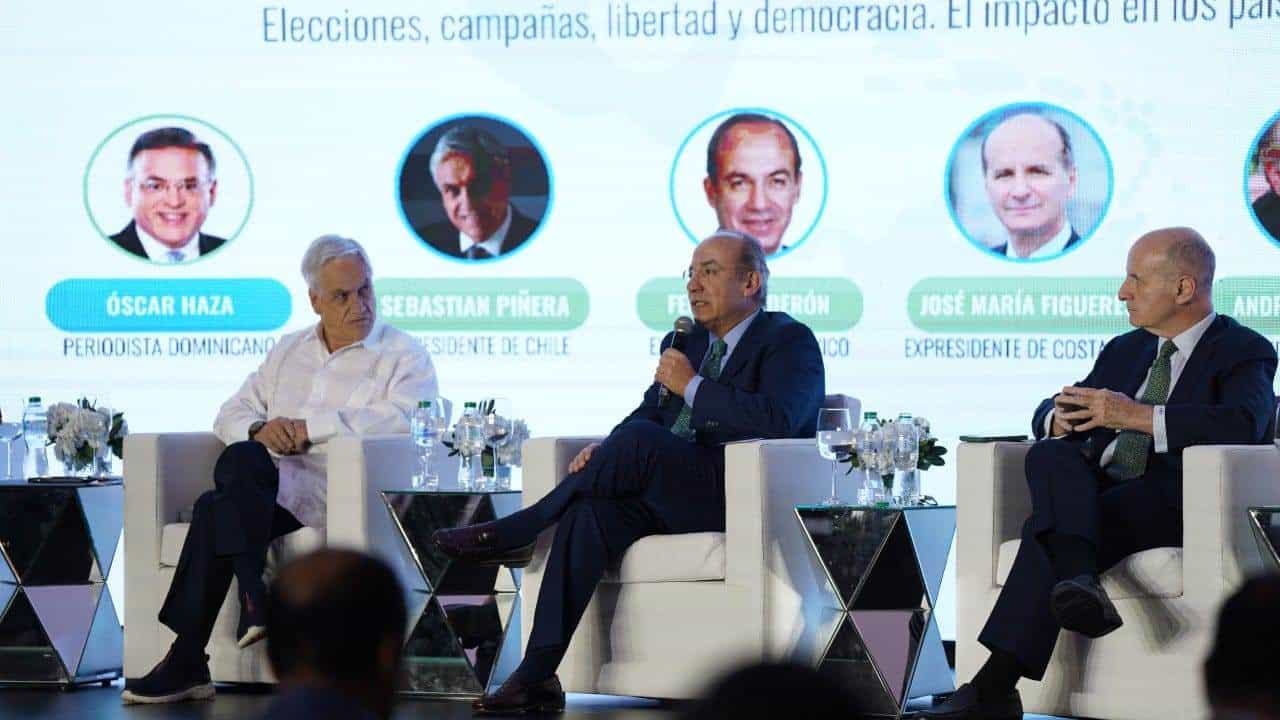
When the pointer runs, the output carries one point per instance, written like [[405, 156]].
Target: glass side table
[[58, 624], [885, 566], [1265, 521], [465, 635]]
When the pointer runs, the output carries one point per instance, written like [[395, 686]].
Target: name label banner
[[825, 304], [483, 304], [179, 305], [1042, 305]]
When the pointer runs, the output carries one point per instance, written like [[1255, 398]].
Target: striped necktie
[[711, 371], [1132, 447]]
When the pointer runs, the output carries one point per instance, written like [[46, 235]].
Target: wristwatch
[[254, 428]]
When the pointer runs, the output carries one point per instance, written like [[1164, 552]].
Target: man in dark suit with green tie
[[1106, 473], [744, 373]]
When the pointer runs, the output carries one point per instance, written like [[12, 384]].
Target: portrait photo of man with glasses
[[169, 186]]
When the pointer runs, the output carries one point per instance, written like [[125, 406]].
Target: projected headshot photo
[[474, 188], [1028, 182], [1262, 180], [751, 170], [155, 189]]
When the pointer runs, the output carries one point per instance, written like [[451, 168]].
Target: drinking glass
[[10, 430], [96, 426], [906, 453], [835, 442], [497, 430]]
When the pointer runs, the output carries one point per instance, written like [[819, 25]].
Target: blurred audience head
[[336, 621], [775, 690], [1242, 673]]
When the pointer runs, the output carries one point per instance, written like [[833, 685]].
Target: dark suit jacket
[[1267, 210], [1224, 394], [443, 236], [128, 240], [308, 703], [1075, 238], [771, 386]]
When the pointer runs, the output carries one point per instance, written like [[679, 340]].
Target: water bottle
[[470, 444], [35, 429], [422, 429], [906, 453], [869, 442]]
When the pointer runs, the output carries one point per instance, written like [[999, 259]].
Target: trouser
[[642, 480], [1072, 496], [231, 528]]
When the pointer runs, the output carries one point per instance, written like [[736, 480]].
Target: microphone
[[682, 327]]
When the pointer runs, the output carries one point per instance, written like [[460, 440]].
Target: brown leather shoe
[[481, 545], [515, 697]]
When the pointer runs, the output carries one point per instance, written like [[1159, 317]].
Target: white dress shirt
[[158, 252], [369, 387], [1049, 249], [1186, 342], [493, 244]]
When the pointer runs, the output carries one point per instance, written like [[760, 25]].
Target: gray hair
[[752, 257], [488, 155], [1189, 253], [326, 248]]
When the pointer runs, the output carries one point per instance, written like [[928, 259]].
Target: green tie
[[711, 371], [1132, 447]]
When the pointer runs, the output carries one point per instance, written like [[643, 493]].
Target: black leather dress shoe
[[964, 704], [514, 697], [1081, 605], [174, 679], [481, 545]]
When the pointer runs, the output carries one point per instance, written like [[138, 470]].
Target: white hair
[[326, 248]]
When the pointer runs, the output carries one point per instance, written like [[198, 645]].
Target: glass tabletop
[[882, 508]]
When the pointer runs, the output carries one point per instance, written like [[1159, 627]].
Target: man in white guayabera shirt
[[349, 374]]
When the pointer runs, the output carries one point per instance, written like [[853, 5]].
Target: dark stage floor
[[98, 703]]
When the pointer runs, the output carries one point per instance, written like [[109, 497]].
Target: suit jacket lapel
[[1137, 371], [745, 348], [1198, 363]]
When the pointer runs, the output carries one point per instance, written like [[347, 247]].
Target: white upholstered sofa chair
[[682, 608], [1169, 598], [164, 474]]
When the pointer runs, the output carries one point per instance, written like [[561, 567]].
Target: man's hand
[[1062, 426], [283, 436], [580, 460], [1103, 408], [674, 371]]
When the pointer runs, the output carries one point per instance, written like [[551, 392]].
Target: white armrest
[[164, 474], [1219, 485], [992, 502], [546, 462]]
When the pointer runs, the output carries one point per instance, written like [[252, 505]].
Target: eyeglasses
[[155, 186], [708, 272]]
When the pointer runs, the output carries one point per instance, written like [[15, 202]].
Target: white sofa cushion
[[672, 558], [290, 546], [1155, 573]]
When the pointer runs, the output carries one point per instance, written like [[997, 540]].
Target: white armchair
[[166, 473], [682, 608], [1169, 598]]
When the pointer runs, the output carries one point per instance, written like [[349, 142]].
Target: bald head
[[1031, 129], [1168, 284], [1186, 253]]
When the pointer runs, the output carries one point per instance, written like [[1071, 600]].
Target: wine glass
[[10, 430], [835, 442]]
